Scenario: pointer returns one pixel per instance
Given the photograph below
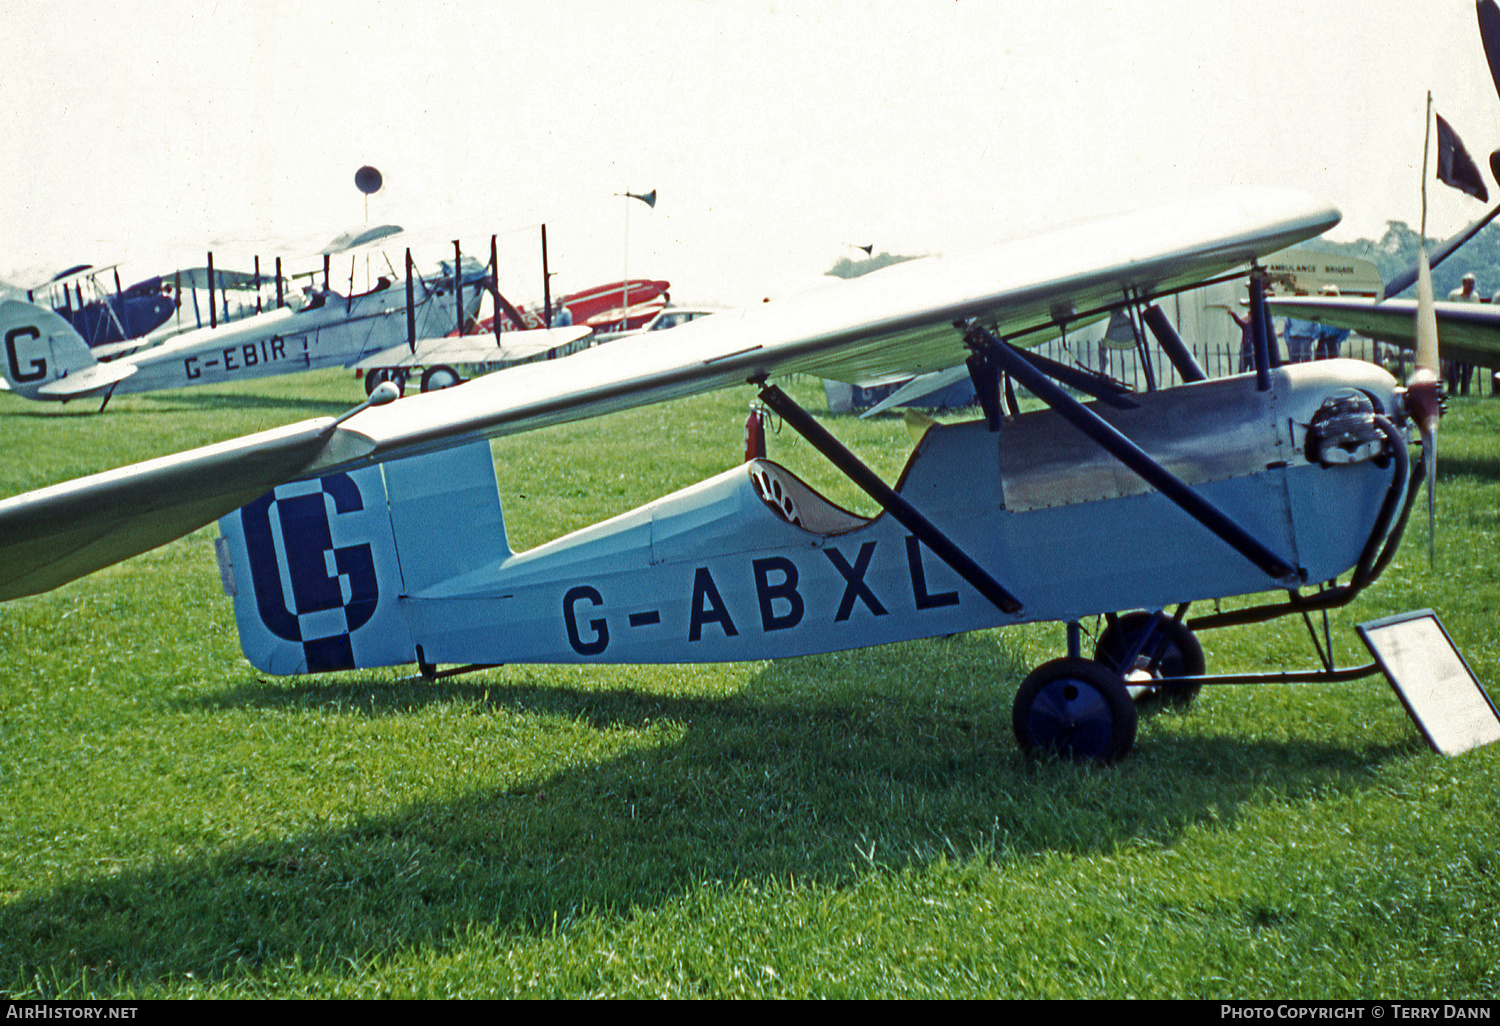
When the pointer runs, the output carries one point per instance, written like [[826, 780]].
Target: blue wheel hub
[[1076, 708], [1069, 716]]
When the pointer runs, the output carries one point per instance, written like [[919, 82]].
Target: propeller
[[1424, 390]]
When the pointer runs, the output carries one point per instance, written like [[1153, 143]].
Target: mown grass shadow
[[782, 781], [1483, 466], [189, 399], [38, 411], [175, 402]]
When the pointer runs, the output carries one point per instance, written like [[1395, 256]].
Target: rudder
[[39, 347], [319, 570]]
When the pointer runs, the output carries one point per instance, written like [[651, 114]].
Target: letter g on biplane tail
[[40, 347]]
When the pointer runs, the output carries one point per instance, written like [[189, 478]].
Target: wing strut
[[985, 373], [501, 303], [904, 512], [411, 307], [1085, 381], [1135, 458], [1172, 344], [495, 284], [1259, 330], [458, 289], [994, 387]]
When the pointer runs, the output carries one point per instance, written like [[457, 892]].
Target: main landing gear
[[1086, 709], [439, 377], [376, 377], [1156, 647], [433, 378]]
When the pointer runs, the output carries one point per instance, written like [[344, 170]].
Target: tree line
[[1396, 251]]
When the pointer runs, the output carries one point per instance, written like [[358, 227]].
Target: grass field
[[174, 824]]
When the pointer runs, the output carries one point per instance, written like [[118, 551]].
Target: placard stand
[[1439, 691]]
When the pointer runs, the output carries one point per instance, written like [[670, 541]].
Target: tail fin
[[40, 348], [322, 571]]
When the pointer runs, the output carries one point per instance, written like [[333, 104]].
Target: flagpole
[[1424, 387], [1453, 166], [625, 297]]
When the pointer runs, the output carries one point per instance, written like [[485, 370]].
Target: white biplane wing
[[908, 318], [1467, 332], [514, 346], [918, 388], [362, 238]]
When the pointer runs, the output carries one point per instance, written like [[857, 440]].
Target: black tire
[[440, 377], [1182, 657], [1077, 709], [395, 375]]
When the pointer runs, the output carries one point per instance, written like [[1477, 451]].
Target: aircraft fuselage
[[338, 333], [363, 569]]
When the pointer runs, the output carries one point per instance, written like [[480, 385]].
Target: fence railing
[[1217, 361]]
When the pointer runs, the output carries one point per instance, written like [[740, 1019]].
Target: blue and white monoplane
[[377, 538]]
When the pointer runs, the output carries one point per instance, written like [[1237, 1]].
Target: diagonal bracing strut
[[1135, 458], [903, 511]]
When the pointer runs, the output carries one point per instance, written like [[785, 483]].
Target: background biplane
[[46, 359], [103, 315]]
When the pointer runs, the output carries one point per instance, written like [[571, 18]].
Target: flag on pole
[[1454, 165]]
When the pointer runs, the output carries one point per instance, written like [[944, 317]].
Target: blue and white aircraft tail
[[318, 568]]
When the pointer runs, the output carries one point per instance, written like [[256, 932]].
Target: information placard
[[1439, 691]]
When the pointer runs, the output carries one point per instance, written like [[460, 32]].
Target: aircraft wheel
[[1183, 657], [395, 375], [434, 378], [1076, 708]]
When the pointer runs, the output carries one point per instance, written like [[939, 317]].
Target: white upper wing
[[900, 319], [53, 535]]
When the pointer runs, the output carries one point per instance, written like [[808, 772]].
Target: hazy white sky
[[776, 134]]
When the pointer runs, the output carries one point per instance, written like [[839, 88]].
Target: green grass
[[173, 824]]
